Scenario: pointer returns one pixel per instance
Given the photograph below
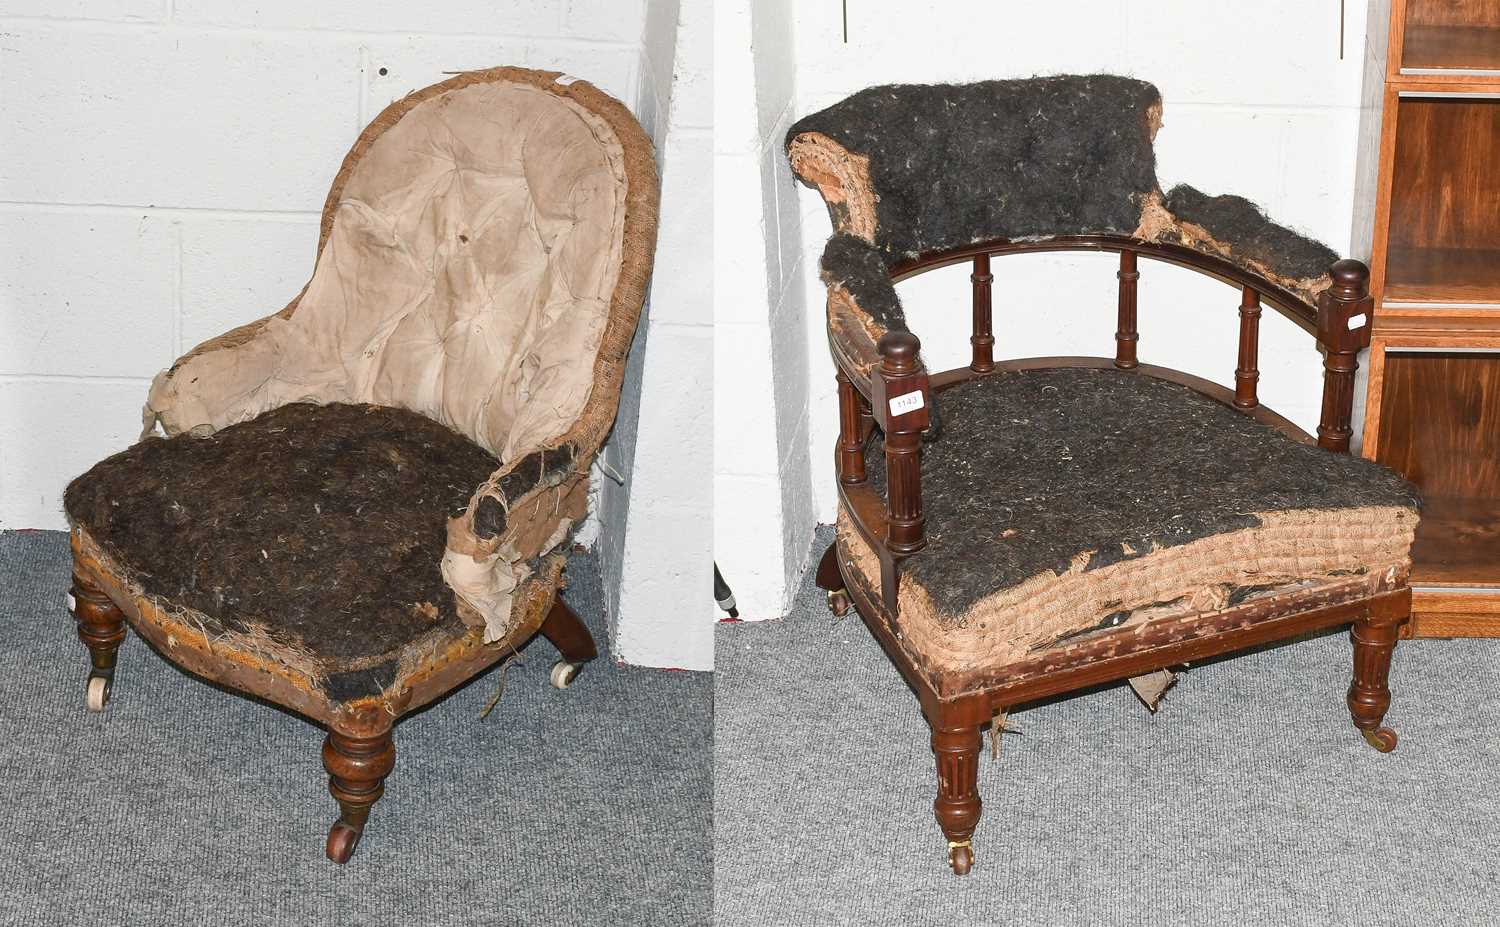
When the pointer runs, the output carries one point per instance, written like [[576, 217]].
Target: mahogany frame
[[894, 529], [359, 750]]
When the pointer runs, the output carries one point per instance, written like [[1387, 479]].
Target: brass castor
[[838, 602], [343, 837], [563, 673], [97, 693], [960, 857], [1382, 739]]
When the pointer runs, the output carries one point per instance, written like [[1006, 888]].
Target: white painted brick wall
[[52, 428], [66, 273], [448, 17], [1278, 125], [660, 593], [104, 114], [619, 20], [763, 512], [163, 167], [275, 257], [116, 10]]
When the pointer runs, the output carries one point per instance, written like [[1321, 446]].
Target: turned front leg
[[357, 767], [1374, 640], [957, 737], [101, 627]]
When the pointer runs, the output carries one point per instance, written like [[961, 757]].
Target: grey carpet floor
[[184, 805], [1249, 799]]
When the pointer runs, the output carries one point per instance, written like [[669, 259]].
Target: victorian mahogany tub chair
[[365, 499], [1012, 530]]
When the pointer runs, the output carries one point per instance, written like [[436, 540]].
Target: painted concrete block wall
[[163, 170], [661, 598], [165, 161], [609, 500], [1279, 126], [762, 488]]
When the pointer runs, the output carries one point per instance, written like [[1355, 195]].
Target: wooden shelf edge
[[1464, 276], [1456, 553], [1446, 82], [1458, 327], [1439, 613], [1432, 296], [1449, 49]]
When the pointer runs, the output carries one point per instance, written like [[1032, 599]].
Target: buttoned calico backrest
[[478, 243], [471, 249]]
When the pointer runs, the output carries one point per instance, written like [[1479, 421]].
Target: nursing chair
[[362, 501]]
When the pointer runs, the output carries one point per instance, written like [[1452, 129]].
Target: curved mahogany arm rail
[[1291, 305], [898, 395]]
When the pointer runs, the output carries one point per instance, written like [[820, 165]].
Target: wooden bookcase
[[1430, 191]]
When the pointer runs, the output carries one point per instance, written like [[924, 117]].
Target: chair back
[[484, 253], [925, 168]]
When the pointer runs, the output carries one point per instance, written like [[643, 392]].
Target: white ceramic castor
[[563, 674], [98, 693]]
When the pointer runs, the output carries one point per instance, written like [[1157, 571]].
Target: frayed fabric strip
[[485, 584]]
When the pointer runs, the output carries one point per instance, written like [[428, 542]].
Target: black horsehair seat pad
[[320, 526], [1036, 157], [1072, 470]]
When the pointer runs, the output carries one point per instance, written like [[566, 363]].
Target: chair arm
[[901, 401], [1345, 310], [524, 510], [200, 391], [1235, 228], [862, 303]]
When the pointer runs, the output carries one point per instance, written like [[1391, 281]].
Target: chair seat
[[312, 534], [1069, 502]]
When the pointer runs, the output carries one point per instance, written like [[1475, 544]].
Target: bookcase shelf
[[1445, 36], [1433, 404], [1441, 48], [1443, 275], [1458, 543]]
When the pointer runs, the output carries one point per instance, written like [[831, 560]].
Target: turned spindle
[[1125, 334], [1247, 372], [851, 456], [983, 339]]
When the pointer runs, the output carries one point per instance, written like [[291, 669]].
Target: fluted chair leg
[[957, 736], [1374, 640], [958, 806]]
